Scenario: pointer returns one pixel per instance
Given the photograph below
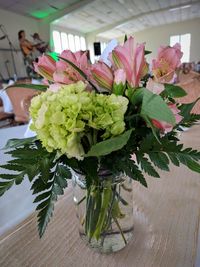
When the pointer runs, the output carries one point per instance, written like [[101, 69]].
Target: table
[[166, 226]]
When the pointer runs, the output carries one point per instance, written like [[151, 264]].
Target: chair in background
[[6, 119], [192, 86], [20, 99]]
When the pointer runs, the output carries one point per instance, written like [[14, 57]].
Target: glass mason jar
[[104, 210]]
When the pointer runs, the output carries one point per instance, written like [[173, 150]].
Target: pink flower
[[120, 76], [167, 127], [45, 66], [54, 87], [168, 59], [79, 59], [103, 75], [66, 77], [130, 58], [155, 87]]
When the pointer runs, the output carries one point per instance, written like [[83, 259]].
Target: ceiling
[[36, 8], [107, 18], [114, 18]]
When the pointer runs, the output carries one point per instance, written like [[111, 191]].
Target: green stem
[[108, 222], [80, 201], [120, 229]]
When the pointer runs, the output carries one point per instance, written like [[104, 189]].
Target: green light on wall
[[40, 14]]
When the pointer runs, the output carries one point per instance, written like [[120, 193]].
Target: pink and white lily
[[65, 73], [130, 58], [103, 75], [45, 66]]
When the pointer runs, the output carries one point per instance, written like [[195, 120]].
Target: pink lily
[[168, 59], [103, 75], [45, 66], [130, 57]]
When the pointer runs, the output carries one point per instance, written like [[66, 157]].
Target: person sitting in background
[[26, 46], [29, 52], [40, 45]]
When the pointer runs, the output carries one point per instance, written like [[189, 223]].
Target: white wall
[[90, 39], [156, 36], [13, 23]]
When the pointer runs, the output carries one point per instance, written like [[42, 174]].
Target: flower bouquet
[[103, 126]]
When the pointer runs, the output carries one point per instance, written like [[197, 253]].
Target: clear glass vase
[[104, 210]]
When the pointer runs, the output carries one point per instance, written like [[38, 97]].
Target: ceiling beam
[[63, 12], [124, 21]]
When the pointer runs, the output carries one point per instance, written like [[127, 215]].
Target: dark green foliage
[[48, 173], [173, 91], [106, 147], [146, 166], [46, 199], [33, 161], [160, 153], [39, 87]]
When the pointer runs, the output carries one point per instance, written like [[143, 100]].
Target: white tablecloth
[[17, 203]]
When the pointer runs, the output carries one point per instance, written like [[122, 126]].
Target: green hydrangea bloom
[[61, 119]]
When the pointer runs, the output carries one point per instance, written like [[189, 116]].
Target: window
[[64, 41], [77, 43], [184, 41], [71, 42], [83, 44], [57, 42]]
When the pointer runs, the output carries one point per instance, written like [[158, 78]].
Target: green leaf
[[12, 143], [62, 171], [186, 109], [46, 206], [41, 197], [7, 176], [4, 186], [11, 179], [133, 172], [154, 107], [12, 167], [39, 87], [193, 165], [146, 165], [135, 96], [173, 91], [39, 186], [150, 124], [160, 160], [46, 164], [173, 159], [106, 147]]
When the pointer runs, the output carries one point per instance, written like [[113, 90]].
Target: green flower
[[61, 119]]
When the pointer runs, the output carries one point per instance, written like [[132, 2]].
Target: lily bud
[[119, 82], [103, 75]]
